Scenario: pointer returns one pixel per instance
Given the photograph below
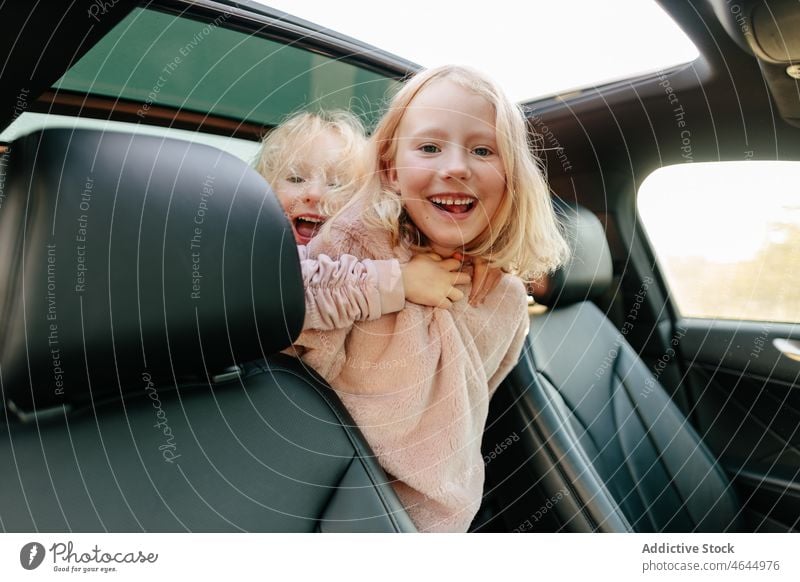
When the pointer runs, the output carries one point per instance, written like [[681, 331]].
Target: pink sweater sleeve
[[340, 292]]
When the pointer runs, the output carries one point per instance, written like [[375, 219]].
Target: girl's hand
[[484, 279], [429, 280]]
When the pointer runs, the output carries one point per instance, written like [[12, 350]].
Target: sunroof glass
[[531, 48], [159, 59]]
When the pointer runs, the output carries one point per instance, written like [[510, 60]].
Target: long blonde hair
[[287, 144], [523, 236]]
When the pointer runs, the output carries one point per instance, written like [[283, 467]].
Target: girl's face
[[447, 168], [301, 185]]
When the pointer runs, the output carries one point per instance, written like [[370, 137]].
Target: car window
[[154, 58], [727, 237], [30, 122]]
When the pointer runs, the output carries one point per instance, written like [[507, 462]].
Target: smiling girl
[[454, 175], [315, 161]]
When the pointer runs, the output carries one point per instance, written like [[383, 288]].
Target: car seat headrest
[[129, 257], [588, 272]]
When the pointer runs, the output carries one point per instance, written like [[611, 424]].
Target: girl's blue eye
[[482, 152], [429, 149], [295, 179]]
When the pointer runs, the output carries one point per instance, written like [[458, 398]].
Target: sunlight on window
[[727, 237], [531, 48]]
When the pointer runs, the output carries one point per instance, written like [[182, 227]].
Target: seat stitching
[[627, 454], [659, 460]]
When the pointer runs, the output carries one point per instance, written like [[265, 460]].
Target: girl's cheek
[[288, 197], [419, 171]]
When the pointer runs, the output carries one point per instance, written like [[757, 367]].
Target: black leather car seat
[[602, 446], [148, 286]]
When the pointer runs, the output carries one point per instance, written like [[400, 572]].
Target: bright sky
[[532, 47], [720, 211]]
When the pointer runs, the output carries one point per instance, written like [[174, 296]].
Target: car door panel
[[745, 401]]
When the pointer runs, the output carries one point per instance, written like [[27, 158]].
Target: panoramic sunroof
[[532, 48], [160, 59]]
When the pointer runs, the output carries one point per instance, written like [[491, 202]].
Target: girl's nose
[[456, 163], [314, 191]]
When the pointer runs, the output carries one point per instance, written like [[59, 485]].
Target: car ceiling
[[629, 129], [42, 43]]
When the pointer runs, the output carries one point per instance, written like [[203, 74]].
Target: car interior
[[261, 447], [639, 463], [152, 289]]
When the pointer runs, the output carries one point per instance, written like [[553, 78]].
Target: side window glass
[[727, 237]]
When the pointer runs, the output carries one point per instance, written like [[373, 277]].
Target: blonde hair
[[523, 236], [287, 144]]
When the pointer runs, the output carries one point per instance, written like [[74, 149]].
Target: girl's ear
[[390, 174]]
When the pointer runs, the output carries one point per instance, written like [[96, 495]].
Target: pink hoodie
[[418, 382]]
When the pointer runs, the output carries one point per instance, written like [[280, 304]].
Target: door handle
[[789, 348]]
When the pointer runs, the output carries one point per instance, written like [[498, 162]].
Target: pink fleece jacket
[[418, 382], [344, 290]]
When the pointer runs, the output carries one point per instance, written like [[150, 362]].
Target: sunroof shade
[[161, 59]]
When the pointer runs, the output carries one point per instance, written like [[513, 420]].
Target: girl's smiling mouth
[[307, 225], [455, 205]]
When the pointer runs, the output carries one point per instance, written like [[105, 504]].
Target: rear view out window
[[727, 237]]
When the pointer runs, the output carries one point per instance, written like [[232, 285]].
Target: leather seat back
[[149, 285], [597, 422], [652, 461]]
